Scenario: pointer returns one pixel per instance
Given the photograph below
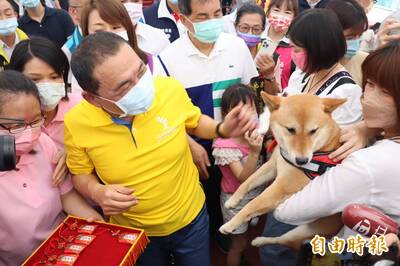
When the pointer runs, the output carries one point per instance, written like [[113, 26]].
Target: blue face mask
[[8, 26], [250, 39], [30, 3], [352, 47], [139, 99], [208, 31], [175, 2]]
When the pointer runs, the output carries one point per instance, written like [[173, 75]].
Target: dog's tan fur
[[303, 113]]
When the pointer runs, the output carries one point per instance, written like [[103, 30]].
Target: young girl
[[280, 14], [237, 158], [31, 206]]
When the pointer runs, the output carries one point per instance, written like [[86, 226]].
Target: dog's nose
[[301, 160]]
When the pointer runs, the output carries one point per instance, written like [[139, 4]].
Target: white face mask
[[123, 34], [50, 94], [135, 11]]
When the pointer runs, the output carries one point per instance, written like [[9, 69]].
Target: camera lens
[[7, 153]]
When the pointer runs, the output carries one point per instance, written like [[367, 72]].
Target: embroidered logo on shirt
[[231, 66], [167, 130]]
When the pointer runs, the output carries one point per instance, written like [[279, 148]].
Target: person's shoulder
[[167, 84], [23, 20], [47, 145], [79, 112], [176, 48], [74, 99], [233, 40]]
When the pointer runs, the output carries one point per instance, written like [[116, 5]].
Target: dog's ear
[[273, 102], [330, 104]]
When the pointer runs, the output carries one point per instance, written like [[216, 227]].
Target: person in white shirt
[[318, 46], [368, 176], [152, 40]]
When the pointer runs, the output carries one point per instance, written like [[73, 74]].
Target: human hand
[[238, 121], [384, 34], [353, 138], [255, 141], [200, 158], [61, 170], [265, 65], [114, 199]]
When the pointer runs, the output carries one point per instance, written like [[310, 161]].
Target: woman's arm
[[349, 182], [74, 204]]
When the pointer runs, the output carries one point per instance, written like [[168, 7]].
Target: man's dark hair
[[93, 51], [13, 83], [14, 5], [320, 33], [185, 6]]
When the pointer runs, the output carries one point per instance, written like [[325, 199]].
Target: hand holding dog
[[114, 199], [255, 142], [238, 121]]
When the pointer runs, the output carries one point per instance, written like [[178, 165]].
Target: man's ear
[[330, 104], [186, 23], [90, 98], [273, 102]]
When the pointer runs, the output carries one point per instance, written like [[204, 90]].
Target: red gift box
[[106, 248]]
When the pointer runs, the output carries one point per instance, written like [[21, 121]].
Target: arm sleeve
[[350, 112], [78, 161], [191, 112], [226, 156], [52, 151], [349, 182], [68, 24]]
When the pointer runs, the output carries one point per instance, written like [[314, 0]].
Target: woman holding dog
[[368, 176], [318, 46]]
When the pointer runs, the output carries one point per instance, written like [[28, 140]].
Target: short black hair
[[350, 13], [14, 83], [250, 9], [93, 51], [45, 50], [320, 33], [185, 6], [235, 95]]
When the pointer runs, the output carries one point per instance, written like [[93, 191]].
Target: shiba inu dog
[[305, 133]]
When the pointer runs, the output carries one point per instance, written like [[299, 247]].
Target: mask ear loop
[[108, 111]]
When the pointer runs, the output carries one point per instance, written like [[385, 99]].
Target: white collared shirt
[[230, 62], [151, 40], [9, 50]]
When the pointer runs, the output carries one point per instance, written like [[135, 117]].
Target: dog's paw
[[232, 203], [226, 228], [262, 241]]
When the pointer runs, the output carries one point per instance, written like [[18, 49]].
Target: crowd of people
[[147, 117]]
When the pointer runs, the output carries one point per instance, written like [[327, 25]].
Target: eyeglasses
[[20, 125], [257, 30]]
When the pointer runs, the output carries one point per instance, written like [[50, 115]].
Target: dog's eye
[[291, 130], [312, 132]]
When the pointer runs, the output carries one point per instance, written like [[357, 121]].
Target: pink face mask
[[279, 23], [299, 58], [379, 109], [26, 140]]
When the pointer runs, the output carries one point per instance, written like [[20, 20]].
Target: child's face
[[282, 10]]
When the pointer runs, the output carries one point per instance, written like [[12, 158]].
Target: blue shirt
[[56, 25]]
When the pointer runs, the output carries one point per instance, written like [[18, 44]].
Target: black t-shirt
[[56, 26]]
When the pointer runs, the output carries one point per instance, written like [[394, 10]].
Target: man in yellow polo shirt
[[131, 131]]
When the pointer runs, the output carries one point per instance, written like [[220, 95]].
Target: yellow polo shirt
[[160, 167]]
